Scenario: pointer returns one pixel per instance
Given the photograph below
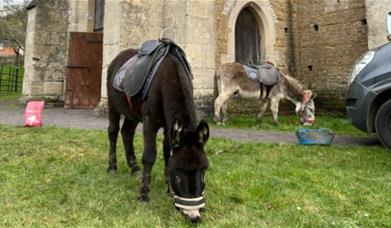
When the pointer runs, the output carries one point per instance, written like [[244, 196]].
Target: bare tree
[[13, 21]]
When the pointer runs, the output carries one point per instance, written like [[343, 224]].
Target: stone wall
[[275, 17], [284, 34], [48, 28], [129, 23], [329, 36], [376, 17], [200, 45], [45, 50], [81, 15], [28, 78], [316, 41]]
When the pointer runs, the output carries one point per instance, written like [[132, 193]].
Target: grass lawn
[[8, 80], [57, 177], [338, 125], [9, 96]]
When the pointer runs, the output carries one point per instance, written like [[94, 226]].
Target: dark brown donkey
[[169, 105]]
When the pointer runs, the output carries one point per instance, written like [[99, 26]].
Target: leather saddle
[[137, 73], [265, 74]]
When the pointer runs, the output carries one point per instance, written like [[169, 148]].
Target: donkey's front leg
[[149, 157], [274, 103]]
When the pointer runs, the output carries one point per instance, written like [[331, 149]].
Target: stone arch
[[266, 18]]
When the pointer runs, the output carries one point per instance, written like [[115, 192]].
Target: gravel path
[[11, 114]]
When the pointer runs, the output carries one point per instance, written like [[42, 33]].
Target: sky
[[5, 2]]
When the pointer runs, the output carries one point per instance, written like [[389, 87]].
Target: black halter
[[184, 203]]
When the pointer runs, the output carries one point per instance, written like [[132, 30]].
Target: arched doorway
[[247, 38]]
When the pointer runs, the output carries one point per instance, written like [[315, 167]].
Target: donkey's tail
[[216, 84]]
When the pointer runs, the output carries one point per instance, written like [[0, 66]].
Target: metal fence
[[11, 74]]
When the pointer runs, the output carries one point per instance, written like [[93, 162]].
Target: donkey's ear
[[203, 132], [307, 96], [176, 132]]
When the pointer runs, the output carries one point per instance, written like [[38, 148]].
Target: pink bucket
[[32, 114]]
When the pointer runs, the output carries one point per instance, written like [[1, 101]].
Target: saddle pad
[[120, 75], [266, 74], [252, 73]]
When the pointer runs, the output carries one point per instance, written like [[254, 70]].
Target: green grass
[[5, 80], [4, 96], [57, 177], [338, 125]]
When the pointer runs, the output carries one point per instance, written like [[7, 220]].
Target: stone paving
[[12, 114]]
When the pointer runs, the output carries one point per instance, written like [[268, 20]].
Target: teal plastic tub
[[322, 136]]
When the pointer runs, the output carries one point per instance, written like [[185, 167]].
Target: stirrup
[[168, 29]]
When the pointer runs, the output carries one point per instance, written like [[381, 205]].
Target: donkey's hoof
[[276, 123], [112, 169], [135, 170], [143, 199]]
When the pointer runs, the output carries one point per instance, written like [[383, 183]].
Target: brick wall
[[329, 36], [317, 41], [281, 11]]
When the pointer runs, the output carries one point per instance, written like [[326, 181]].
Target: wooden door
[[83, 82], [247, 38]]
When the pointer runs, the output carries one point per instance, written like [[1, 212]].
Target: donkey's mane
[[294, 86], [180, 103]]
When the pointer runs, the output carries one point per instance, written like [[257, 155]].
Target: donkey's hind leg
[[264, 105], [220, 103], [274, 104], [166, 155], [127, 132], [113, 129]]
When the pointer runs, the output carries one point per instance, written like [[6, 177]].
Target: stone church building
[[70, 43]]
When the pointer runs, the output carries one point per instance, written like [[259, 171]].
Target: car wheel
[[383, 124]]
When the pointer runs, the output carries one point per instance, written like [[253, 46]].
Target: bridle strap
[[196, 207], [187, 203]]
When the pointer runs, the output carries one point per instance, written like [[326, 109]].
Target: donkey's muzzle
[[307, 122], [190, 207]]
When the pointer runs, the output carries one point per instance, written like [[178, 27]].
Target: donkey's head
[[186, 168], [306, 108]]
